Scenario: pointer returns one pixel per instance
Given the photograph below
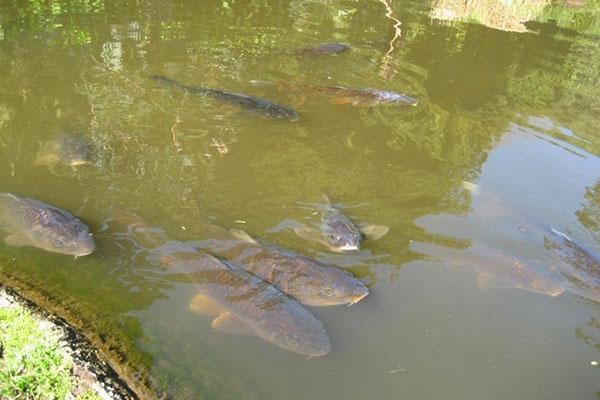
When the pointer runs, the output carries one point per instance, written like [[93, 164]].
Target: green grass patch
[[33, 363]]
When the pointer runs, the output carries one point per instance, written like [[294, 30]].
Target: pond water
[[514, 112]]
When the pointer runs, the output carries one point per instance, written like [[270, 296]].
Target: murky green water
[[514, 112]]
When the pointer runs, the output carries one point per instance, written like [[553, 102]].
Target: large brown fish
[[496, 269], [577, 263], [241, 302], [359, 97], [309, 281], [243, 101], [245, 304], [30, 222]]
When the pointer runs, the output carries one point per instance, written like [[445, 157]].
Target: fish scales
[[309, 281], [263, 106]]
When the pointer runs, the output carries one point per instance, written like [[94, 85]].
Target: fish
[[71, 150], [580, 265], [309, 281], [30, 222], [497, 269], [261, 106], [577, 263], [239, 302], [359, 97], [366, 97], [322, 49], [338, 233]]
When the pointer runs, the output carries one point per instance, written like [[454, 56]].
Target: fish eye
[[327, 291], [59, 241]]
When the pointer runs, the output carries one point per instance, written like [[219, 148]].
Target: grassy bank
[[35, 361]]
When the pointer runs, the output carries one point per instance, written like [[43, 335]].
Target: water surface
[[516, 112]]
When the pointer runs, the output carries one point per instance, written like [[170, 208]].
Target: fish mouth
[[85, 252], [359, 297], [347, 247]]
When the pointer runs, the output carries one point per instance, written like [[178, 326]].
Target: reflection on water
[[515, 112]]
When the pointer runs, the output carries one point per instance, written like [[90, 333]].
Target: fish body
[[366, 97], [580, 266], [70, 150], [497, 269], [323, 49], [309, 281], [242, 302], [261, 106], [30, 222]]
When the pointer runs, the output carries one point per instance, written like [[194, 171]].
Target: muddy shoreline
[[90, 362]]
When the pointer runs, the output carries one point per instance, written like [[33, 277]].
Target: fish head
[[340, 233], [301, 333], [324, 285], [60, 232]]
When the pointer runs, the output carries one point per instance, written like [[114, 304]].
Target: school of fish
[[251, 287]]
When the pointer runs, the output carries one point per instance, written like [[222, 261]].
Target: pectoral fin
[[229, 323], [242, 235], [308, 233], [17, 240], [203, 305], [374, 232]]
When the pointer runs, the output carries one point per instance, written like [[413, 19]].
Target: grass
[[34, 364]]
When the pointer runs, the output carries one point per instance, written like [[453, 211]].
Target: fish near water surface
[[250, 103], [30, 222], [497, 269], [245, 304], [579, 265], [338, 232], [309, 281], [240, 302], [367, 97]]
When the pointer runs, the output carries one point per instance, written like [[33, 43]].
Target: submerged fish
[[323, 49], [366, 97], [581, 266], [30, 222], [578, 264], [309, 281], [67, 149], [497, 270], [338, 232], [241, 302], [262, 106]]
